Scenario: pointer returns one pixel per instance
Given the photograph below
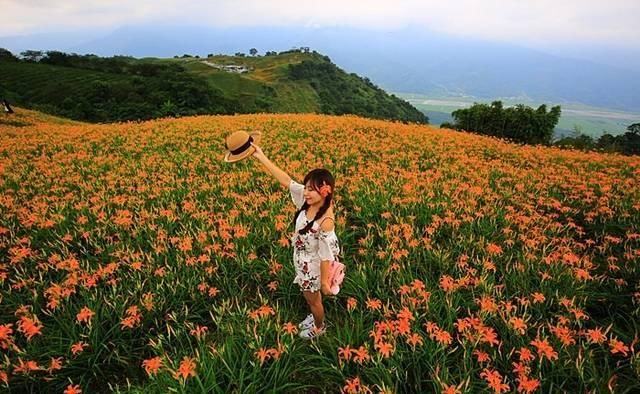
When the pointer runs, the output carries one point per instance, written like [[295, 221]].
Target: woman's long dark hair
[[316, 177]]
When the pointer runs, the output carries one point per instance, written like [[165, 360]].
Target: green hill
[[98, 95], [91, 88]]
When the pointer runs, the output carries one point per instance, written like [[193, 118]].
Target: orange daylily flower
[[374, 304], [29, 327], [494, 249], [494, 379], [78, 347], [384, 348], [352, 303], [361, 355], [450, 389], [5, 335], [85, 315], [263, 355], [595, 335], [525, 354], [26, 367], [414, 339], [545, 350], [518, 324], [290, 328], [538, 298], [187, 368], [527, 384], [481, 356], [55, 364], [344, 353], [199, 331], [354, 385], [617, 346], [73, 389], [152, 365]]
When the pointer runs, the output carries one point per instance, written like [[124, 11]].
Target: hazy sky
[[532, 22]]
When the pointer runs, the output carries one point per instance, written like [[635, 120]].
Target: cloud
[[528, 22]]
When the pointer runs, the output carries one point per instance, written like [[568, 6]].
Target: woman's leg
[[314, 299]]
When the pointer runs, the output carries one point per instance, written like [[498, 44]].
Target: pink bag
[[336, 276]]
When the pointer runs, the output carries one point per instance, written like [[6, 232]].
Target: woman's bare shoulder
[[327, 219]]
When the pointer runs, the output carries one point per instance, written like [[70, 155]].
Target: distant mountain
[[407, 61]]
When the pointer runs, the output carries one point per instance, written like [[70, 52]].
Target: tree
[[168, 108], [7, 56], [31, 55], [631, 142], [57, 58], [607, 142], [519, 123], [634, 128], [253, 51]]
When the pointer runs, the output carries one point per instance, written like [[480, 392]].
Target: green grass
[[43, 83], [233, 85], [296, 97]]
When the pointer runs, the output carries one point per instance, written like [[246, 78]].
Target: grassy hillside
[[342, 93], [134, 259], [42, 84], [268, 81], [149, 88], [302, 82], [98, 96], [267, 88]]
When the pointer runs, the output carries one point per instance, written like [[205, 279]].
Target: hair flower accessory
[[325, 190]]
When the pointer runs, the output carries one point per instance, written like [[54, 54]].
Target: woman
[[315, 243]]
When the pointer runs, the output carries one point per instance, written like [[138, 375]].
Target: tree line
[[519, 124], [627, 143], [527, 125]]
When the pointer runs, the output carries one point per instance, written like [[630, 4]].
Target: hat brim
[[231, 158]]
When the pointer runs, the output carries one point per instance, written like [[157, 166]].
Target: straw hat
[[239, 145]]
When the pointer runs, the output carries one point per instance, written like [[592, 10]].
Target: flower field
[[133, 259]]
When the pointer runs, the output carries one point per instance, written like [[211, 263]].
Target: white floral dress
[[310, 248]]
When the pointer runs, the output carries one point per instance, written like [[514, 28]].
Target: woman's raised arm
[[280, 175]]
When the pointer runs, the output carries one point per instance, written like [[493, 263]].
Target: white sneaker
[[308, 322], [313, 332]]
